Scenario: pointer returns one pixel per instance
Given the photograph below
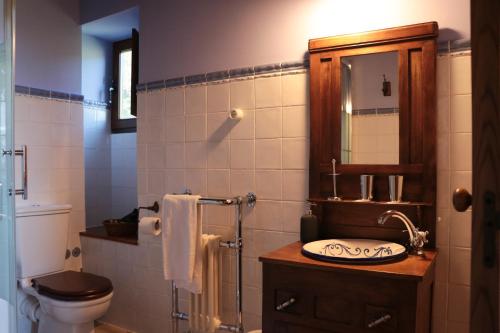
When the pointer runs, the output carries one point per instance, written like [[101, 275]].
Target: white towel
[[204, 308], [182, 256]]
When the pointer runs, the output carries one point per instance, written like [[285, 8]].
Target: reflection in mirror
[[370, 109]]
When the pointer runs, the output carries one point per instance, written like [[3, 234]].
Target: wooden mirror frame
[[417, 49]]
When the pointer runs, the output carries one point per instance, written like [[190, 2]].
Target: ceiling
[[114, 27]]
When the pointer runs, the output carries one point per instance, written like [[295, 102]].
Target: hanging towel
[[181, 241], [204, 308]]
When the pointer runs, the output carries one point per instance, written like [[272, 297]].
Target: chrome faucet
[[417, 238]]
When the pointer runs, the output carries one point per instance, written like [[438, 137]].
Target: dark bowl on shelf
[[117, 228]]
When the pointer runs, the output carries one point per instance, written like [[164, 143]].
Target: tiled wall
[[53, 131], [123, 174], [451, 292], [186, 141], [375, 139], [97, 143]]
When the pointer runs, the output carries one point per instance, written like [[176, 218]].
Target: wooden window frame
[[124, 125]]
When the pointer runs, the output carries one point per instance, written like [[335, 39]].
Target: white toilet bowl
[[71, 317], [66, 302], [60, 301]]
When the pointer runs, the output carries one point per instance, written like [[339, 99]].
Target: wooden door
[[485, 38]]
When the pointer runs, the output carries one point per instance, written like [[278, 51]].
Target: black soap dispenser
[[309, 227]]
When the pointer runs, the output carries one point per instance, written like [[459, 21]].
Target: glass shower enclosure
[[7, 219]]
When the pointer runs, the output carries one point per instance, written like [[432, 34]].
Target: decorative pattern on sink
[[354, 250]]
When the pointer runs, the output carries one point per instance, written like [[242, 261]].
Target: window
[[123, 92]]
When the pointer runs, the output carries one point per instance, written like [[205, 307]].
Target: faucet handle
[[423, 235]]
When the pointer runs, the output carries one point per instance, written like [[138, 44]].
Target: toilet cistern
[[417, 238]]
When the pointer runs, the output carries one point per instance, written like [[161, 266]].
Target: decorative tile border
[[263, 70], [371, 112], [223, 75], [95, 104], [52, 94], [454, 46]]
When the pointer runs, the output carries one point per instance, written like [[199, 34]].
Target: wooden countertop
[[100, 233], [412, 268]]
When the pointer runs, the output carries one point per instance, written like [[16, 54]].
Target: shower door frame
[[7, 153]]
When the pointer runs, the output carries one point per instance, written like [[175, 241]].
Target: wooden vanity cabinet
[[337, 298]]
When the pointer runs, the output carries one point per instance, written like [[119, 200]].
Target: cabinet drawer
[[336, 302]]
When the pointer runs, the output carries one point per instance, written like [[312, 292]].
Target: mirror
[[370, 109]]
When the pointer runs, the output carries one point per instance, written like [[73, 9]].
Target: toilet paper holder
[[154, 207]]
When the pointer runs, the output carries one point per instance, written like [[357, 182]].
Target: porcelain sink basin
[[354, 251]]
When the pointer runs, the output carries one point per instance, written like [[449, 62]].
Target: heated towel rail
[[237, 244]]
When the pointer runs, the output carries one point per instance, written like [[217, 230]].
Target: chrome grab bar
[[23, 152]]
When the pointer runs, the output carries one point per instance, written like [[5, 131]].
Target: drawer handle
[[285, 304], [379, 321]]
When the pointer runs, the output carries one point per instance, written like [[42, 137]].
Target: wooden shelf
[[378, 203], [100, 233]]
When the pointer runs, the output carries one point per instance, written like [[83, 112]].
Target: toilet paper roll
[[150, 226]]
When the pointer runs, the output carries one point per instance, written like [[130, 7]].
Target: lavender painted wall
[[48, 44], [195, 36], [96, 67]]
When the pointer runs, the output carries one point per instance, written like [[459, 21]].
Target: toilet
[[60, 301]]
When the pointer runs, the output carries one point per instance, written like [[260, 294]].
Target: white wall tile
[[295, 121], [460, 229], [174, 129], [269, 215], [242, 182], [461, 113], [292, 212], [196, 99], [268, 92], [242, 94], [218, 183], [242, 154], [268, 153], [155, 104], [296, 153], [218, 155], [219, 126], [218, 97], [174, 101], [175, 158], [295, 89], [196, 155], [295, 185], [196, 181], [268, 184], [458, 303], [460, 74], [175, 182], [156, 157], [460, 260], [196, 127], [268, 123], [243, 128]]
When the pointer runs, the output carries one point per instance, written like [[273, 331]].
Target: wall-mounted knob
[[462, 199]]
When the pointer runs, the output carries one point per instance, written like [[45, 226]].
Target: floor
[[106, 328]]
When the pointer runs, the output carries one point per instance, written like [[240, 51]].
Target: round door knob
[[462, 199]]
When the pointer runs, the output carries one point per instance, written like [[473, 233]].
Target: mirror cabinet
[[373, 111]]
